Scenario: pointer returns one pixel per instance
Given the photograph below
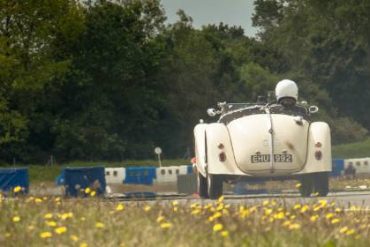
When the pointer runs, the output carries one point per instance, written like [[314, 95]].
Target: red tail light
[[318, 155], [222, 157]]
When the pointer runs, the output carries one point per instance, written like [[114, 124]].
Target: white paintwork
[[361, 165], [200, 147], [319, 132], [247, 135], [115, 175], [170, 173]]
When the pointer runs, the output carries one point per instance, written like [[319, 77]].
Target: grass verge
[[51, 221]]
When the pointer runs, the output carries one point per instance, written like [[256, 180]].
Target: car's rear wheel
[[202, 187], [321, 183], [306, 187], [215, 186]]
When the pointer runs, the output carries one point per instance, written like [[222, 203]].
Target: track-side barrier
[[78, 179], [140, 175], [170, 173], [11, 178], [357, 166], [115, 175]]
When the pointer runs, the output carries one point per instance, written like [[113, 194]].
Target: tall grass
[[51, 221]]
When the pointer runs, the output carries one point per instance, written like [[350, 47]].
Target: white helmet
[[286, 89]]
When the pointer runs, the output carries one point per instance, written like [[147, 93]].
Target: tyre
[[321, 183], [306, 187], [202, 187], [214, 183]]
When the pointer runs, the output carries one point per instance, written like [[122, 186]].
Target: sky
[[203, 12]]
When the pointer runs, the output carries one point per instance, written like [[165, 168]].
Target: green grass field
[[54, 221], [352, 150]]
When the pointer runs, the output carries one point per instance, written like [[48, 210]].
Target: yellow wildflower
[[350, 232], [335, 221], [225, 234], [83, 244], [160, 219], [297, 206], [51, 223], [214, 216], [329, 216], [17, 189], [218, 227], [286, 223], [220, 199], [166, 225], [46, 235], [66, 215], [195, 212], [16, 219], [244, 213], [298, 185], [279, 215], [147, 208], [314, 218], [38, 200], [74, 238], [294, 226], [268, 211], [323, 203], [93, 193], [99, 225], [220, 207], [60, 230], [304, 208], [175, 203], [120, 207], [87, 190], [48, 216]]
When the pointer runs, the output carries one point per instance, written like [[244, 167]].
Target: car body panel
[[247, 136]]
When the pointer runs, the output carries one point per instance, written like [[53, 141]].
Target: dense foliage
[[109, 80]]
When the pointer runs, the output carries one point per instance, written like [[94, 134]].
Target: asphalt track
[[343, 199]]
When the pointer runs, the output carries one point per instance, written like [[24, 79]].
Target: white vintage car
[[262, 141]]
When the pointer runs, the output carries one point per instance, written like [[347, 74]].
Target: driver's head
[[286, 92]]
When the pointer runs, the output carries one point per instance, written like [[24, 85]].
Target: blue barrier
[[140, 175], [13, 177], [60, 180], [77, 179], [338, 167]]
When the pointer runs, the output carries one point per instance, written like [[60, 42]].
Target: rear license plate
[[283, 158], [265, 158]]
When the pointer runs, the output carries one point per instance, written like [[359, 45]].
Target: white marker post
[[158, 151]]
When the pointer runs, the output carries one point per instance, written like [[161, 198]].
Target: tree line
[[110, 80]]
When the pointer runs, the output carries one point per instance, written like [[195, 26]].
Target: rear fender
[[319, 140], [218, 141], [200, 147]]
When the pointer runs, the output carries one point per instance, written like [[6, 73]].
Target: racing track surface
[[345, 199]]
